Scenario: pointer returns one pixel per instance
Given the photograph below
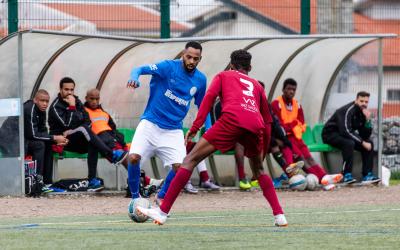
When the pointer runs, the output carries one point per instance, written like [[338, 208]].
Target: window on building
[[393, 94]]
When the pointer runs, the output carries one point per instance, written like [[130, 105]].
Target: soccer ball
[[141, 202], [312, 182], [298, 182]]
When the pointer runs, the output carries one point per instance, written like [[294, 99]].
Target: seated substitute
[[278, 139], [105, 128], [291, 117], [37, 139], [67, 116], [350, 129]]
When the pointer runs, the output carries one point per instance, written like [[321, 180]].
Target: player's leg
[[347, 147], [80, 141], [254, 150], [222, 136], [268, 189], [170, 148], [140, 150], [313, 167], [205, 181], [200, 152], [367, 158], [244, 184], [165, 186]]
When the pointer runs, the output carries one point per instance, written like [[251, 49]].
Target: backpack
[[33, 185], [144, 191]]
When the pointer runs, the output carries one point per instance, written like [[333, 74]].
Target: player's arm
[[32, 130], [205, 107], [346, 128], [158, 69], [79, 116], [58, 117], [198, 98], [111, 123]]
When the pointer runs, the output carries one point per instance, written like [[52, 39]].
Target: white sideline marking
[[289, 214], [128, 221]]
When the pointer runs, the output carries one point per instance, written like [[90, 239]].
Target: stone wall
[[391, 143]]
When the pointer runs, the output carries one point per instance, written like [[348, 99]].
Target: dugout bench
[[128, 135], [311, 137]]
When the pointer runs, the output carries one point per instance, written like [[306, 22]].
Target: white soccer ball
[[312, 182], [298, 182], [142, 202]]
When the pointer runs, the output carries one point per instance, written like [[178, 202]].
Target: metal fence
[[188, 18]]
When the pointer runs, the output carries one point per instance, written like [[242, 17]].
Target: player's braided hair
[[241, 59]]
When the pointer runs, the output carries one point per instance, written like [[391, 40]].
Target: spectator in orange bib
[[105, 128], [291, 117]]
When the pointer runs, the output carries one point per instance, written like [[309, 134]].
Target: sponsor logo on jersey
[[178, 100]]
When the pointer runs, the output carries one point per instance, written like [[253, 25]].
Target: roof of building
[[116, 17], [287, 14]]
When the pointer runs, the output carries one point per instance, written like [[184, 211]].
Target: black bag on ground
[[33, 185], [72, 185]]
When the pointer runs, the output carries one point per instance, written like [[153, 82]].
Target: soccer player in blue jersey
[[173, 85]]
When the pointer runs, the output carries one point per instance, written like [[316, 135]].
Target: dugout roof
[[105, 63]]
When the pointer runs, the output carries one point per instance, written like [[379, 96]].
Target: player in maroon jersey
[[245, 119]]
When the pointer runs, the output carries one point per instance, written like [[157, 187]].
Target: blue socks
[[134, 179], [165, 186]]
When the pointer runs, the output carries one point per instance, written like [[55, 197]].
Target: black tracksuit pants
[[42, 153], [347, 146], [83, 140]]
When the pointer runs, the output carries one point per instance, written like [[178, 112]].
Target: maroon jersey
[[243, 101]]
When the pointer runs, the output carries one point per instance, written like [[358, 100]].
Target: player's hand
[[70, 99], [133, 84], [367, 113], [189, 136], [60, 139], [367, 145]]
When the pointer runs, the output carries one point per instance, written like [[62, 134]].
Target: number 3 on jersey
[[249, 85]]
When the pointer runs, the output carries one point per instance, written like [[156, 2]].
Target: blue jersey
[[171, 91]]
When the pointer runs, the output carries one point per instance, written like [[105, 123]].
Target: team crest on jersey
[[193, 91]]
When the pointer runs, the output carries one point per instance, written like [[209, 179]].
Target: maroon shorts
[[224, 136], [299, 148]]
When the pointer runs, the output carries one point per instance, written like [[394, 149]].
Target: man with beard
[[350, 129], [174, 83]]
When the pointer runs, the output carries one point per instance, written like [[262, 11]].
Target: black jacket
[[62, 117], [35, 123], [348, 121]]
